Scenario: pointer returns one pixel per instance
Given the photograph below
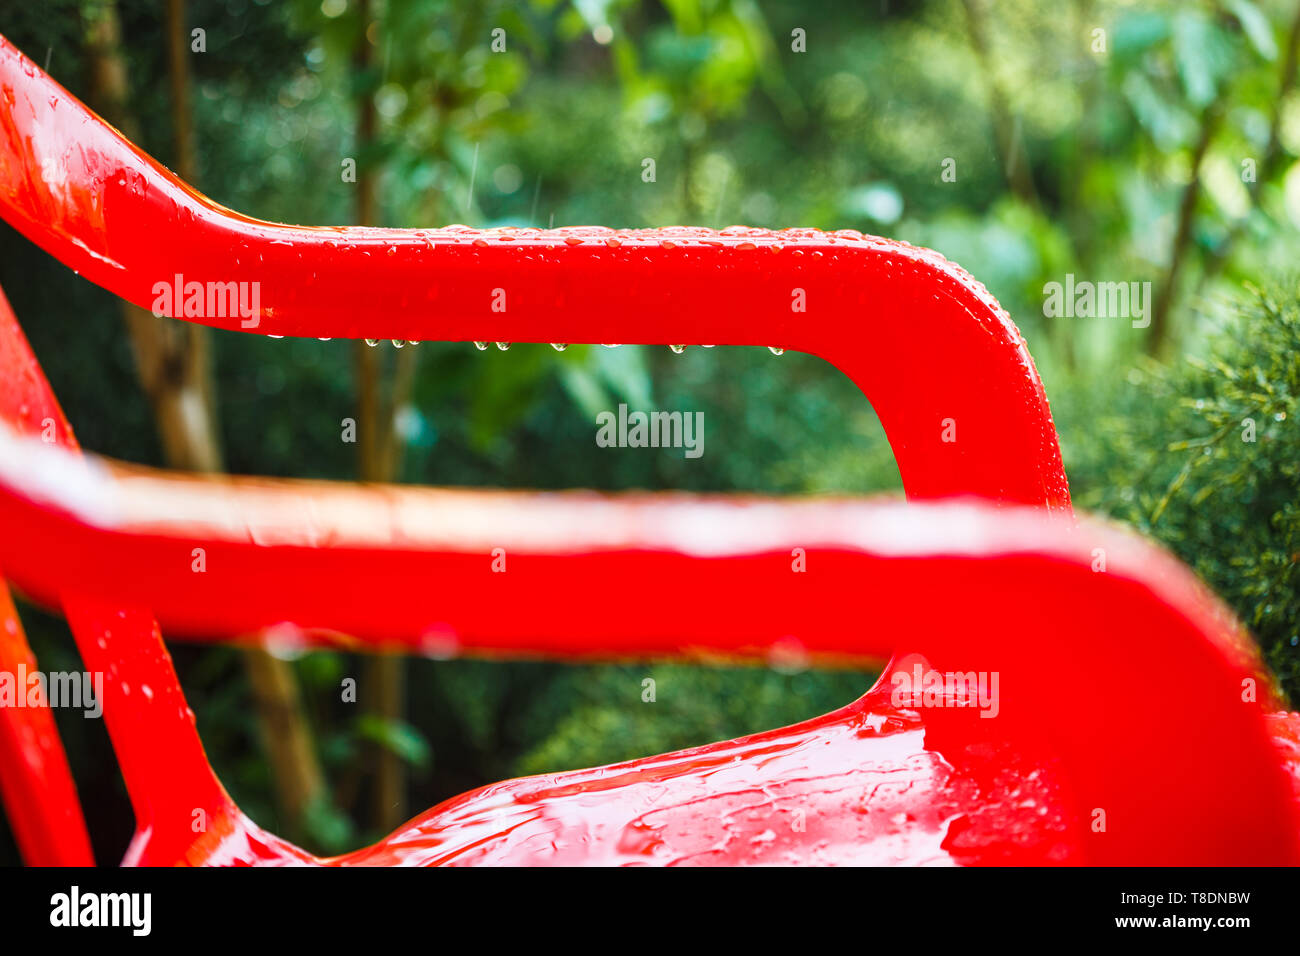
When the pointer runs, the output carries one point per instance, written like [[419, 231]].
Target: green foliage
[[1204, 455], [605, 714]]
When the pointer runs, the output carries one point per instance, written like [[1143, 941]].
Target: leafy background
[[1127, 161]]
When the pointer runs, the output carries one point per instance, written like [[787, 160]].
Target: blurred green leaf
[[396, 736], [1198, 50], [1256, 26]]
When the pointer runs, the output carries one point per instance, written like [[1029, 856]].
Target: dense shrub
[[1204, 455]]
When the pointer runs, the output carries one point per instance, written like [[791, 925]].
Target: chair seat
[[863, 785], [858, 786]]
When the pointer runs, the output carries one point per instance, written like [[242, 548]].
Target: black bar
[[938, 908]]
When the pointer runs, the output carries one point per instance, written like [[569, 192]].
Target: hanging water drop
[[372, 342], [397, 343], [559, 346], [503, 346], [774, 350], [481, 346], [679, 349]]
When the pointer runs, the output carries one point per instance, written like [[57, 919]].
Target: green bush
[[1204, 455]]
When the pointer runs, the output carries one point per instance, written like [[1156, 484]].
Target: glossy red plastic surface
[[1121, 691], [919, 336], [1096, 709], [35, 783]]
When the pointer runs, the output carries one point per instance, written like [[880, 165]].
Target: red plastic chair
[[1121, 726]]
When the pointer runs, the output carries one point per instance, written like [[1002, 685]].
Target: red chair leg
[[40, 797]]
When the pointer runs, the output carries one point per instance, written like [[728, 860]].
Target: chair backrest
[[935, 354]]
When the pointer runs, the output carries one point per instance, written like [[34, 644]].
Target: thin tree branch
[[385, 675], [1159, 338]]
